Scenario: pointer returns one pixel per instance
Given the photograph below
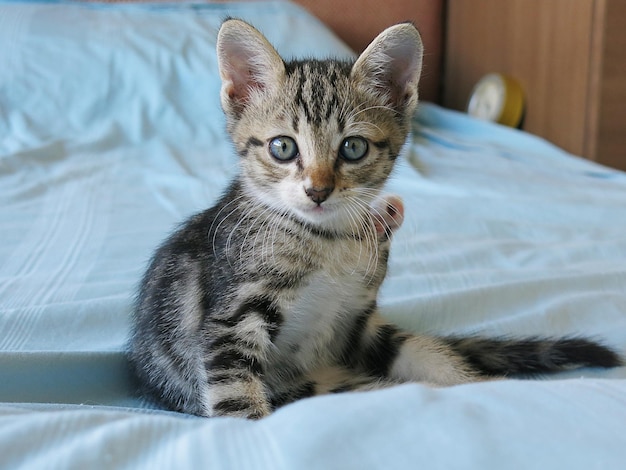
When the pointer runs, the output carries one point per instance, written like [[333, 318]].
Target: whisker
[[221, 221], [369, 233], [268, 215], [361, 215], [252, 225], [355, 224], [272, 225]]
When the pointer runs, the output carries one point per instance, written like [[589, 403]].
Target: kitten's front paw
[[241, 408], [388, 214]]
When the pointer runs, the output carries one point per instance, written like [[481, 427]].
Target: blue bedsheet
[[111, 133]]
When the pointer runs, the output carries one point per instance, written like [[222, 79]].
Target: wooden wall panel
[[544, 44], [357, 22], [569, 55], [608, 145]]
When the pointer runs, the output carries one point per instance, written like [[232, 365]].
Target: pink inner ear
[[239, 73], [402, 69]]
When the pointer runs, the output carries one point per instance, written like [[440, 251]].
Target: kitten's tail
[[503, 357]]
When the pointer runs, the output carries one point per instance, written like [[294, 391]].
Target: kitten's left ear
[[391, 65], [248, 63]]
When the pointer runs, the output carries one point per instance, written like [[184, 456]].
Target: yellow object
[[498, 98]]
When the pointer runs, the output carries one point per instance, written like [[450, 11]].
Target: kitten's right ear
[[248, 64]]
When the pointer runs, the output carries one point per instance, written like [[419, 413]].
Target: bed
[[111, 133]]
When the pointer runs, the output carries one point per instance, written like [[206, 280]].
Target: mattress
[[111, 134]]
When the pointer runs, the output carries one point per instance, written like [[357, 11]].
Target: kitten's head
[[318, 139]]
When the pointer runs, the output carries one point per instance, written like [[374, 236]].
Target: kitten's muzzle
[[318, 195]]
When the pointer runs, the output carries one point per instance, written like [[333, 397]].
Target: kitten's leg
[[337, 379], [237, 359], [329, 379], [383, 350], [379, 363], [214, 370]]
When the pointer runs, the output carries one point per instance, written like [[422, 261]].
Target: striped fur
[[270, 295]]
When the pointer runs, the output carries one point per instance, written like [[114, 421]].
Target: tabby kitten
[[270, 296]]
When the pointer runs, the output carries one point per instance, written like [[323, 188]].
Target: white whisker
[[368, 233], [221, 221]]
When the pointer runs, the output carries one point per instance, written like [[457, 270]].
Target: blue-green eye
[[283, 148], [353, 148]]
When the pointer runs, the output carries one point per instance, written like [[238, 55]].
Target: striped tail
[[505, 357]]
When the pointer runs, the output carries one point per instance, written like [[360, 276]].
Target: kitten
[[270, 295]]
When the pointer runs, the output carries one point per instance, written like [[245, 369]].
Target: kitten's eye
[[353, 148], [283, 148]]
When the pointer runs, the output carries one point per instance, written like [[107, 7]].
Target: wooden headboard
[[357, 22]]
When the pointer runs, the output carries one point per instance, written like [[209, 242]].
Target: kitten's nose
[[318, 195]]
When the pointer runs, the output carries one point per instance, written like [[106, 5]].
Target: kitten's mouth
[[318, 213]]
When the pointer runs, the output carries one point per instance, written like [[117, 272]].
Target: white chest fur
[[319, 313]]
